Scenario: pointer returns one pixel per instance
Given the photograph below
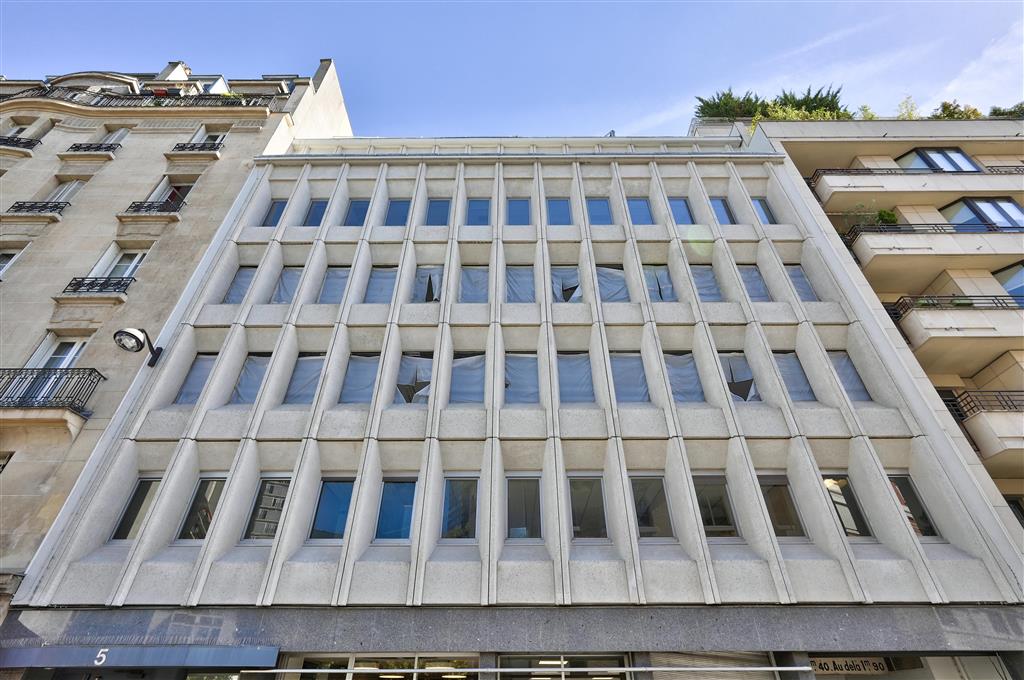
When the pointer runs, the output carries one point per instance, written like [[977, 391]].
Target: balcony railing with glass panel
[[99, 284], [20, 142], [911, 303], [69, 388], [38, 207]]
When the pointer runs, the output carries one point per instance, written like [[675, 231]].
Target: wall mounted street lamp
[[134, 340]]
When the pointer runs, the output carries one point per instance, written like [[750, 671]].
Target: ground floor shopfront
[[570, 643]]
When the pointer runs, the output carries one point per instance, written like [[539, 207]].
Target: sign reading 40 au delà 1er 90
[[849, 665]]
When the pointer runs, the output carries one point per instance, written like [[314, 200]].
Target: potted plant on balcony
[[886, 217]]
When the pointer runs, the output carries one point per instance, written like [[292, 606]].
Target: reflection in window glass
[[355, 216], [414, 375], [680, 210], [793, 377], [274, 213], [804, 289], [427, 285], [640, 210], [381, 285], [287, 284], [757, 289], [629, 377], [473, 284], [559, 212], [764, 211], [478, 211], [715, 510], [518, 211], [459, 517], [706, 282], [611, 284], [467, 379], [565, 284], [912, 506], [239, 285], [846, 506], [849, 376], [738, 376], [332, 290], [249, 379], [781, 509], [659, 283], [398, 213], [723, 213], [683, 377], [266, 513], [437, 212], [575, 382], [305, 377], [196, 379], [135, 511], [315, 213], [652, 515], [360, 377], [200, 513], [1012, 280], [586, 498], [523, 507], [521, 380], [395, 516], [599, 211], [519, 285], [332, 509]]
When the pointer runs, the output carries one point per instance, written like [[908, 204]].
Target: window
[[305, 377], [559, 211], [611, 283], [738, 376], [757, 289], [467, 379], [1016, 504], [575, 381], [629, 378], [794, 377], [273, 213], [315, 213], [437, 212], [519, 284], [683, 377], [64, 353], [360, 377], [518, 211], [521, 381], [138, 505], [115, 136], [381, 285], [7, 258], [200, 513], [332, 509], [126, 264], [427, 286], [804, 289], [65, 191], [239, 285], [781, 509], [587, 500], [707, 283], [599, 211], [173, 192], [287, 284], [849, 376], [395, 516], [459, 516], [398, 213], [680, 208], [478, 211], [473, 286], [764, 211], [912, 506], [355, 216], [723, 213], [249, 379], [5, 458], [414, 376], [332, 290], [266, 511], [196, 378], [937, 160], [565, 284], [1012, 280], [715, 509], [840, 492], [640, 210], [974, 214], [652, 514], [659, 283], [523, 507]]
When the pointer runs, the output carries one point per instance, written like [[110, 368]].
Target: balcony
[[93, 148], [847, 189], [192, 151], [995, 424], [26, 143], [85, 97], [901, 258], [39, 207], [199, 146], [959, 334], [28, 218], [45, 396], [99, 284], [171, 205]]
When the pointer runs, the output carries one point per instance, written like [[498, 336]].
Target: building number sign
[[847, 665]]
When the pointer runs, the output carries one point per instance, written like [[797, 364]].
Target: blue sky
[[544, 68]]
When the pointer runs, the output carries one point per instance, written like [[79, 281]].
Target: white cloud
[[995, 77], [827, 39]]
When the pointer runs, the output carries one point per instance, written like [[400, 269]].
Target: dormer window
[[937, 160]]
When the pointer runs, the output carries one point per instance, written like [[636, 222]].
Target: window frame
[[392, 202], [782, 479], [447, 212], [922, 153], [206, 381], [348, 515], [124, 511], [653, 540], [508, 211], [725, 206], [592, 540], [313, 202], [647, 203], [686, 205], [461, 475], [15, 254], [345, 222], [972, 202], [270, 477], [526, 475], [380, 504], [210, 476], [905, 474], [608, 203], [829, 474], [696, 477], [547, 210], [763, 210], [469, 208]]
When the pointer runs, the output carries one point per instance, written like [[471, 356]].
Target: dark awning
[[153, 656]]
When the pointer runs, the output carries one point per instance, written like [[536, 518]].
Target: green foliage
[[824, 99], [776, 111], [727, 105], [907, 109], [1015, 111], [954, 111], [864, 112], [821, 104], [886, 216]]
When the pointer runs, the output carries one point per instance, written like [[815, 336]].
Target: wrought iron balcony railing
[[111, 148], [199, 146], [1005, 169], [20, 142], [813, 180], [99, 284], [68, 388], [855, 231], [86, 97], [38, 207], [170, 205], [910, 303], [970, 402]]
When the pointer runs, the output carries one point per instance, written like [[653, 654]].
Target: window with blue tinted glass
[[793, 376], [849, 377], [287, 285], [518, 211], [757, 289], [355, 216], [722, 210], [274, 213], [519, 286], [395, 516], [333, 287], [680, 210], [640, 210], [599, 211], [707, 283], [478, 212], [1012, 280], [315, 213], [802, 284], [437, 212], [332, 509], [239, 285], [360, 376], [380, 285], [458, 519], [764, 211], [200, 370], [398, 213], [559, 211], [980, 212]]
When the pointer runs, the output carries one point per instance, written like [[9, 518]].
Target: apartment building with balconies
[[113, 185], [576, 408], [930, 211]]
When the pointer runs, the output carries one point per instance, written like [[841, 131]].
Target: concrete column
[[488, 660], [793, 659]]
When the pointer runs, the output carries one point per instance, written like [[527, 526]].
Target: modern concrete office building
[[113, 186], [527, 408]]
